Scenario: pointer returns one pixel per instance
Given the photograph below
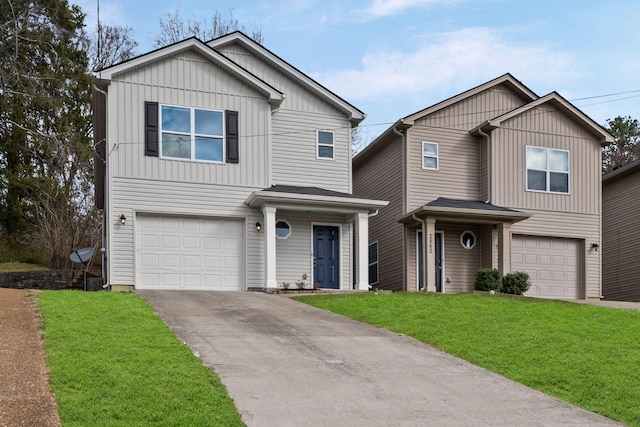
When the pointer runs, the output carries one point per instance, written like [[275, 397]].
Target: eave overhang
[[465, 215], [313, 203]]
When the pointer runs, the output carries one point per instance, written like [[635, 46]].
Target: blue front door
[[326, 269]]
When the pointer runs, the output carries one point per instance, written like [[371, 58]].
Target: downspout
[[488, 138], [105, 213]]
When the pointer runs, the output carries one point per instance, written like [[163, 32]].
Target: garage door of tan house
[[175, 252], [552, 263]]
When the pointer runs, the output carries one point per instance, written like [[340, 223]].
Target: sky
[[391, 58]]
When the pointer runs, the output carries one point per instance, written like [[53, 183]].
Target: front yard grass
[[113, 362], [585, 355], [19, 267]]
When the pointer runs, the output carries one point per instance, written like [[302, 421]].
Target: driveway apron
[[288, 364]]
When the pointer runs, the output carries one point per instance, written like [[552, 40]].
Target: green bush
[[488, 279], [515, 283]]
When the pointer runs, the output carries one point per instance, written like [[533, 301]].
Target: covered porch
[[453, 238], [314, 236]]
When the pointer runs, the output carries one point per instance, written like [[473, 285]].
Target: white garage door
[[552, 264], [189, 253]]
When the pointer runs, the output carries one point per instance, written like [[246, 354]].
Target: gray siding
[[620, 237], [294, 154], [187, 79], [131, 196], [382, 178]]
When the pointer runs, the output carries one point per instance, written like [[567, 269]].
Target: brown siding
[[470, 112], [459, 172], [545, 127], [620, 237], [381, 178]]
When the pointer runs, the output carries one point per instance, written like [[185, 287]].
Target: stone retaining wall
[[45, 279]]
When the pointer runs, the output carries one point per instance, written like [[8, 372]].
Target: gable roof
[[193, 43], [621, 172], [355, 114], [558, 101], [408, 121]]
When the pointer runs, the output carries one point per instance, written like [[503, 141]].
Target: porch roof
[[313, 199], [457, 210]]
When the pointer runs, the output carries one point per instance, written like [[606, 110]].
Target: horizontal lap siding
[[294, 254], [620, 237], [585, 227], [381, 177], [459, 175], [189, 80], [294, 155], [173, 198]]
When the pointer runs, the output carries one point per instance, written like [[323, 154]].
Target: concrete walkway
[[288, 364]]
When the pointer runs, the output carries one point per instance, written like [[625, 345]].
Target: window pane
[[176, 146], [559, 182], [209, 149], [373, 274], [536, 158], [430, 162], [325, 138], [559, 160], [324, 151], [429, 149], [373, 253], [282, 229], [176, 119], [209, 122], [536, 180]]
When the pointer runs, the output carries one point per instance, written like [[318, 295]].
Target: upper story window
[[192, 134], [430, 155], [547, 170], [325, 145]]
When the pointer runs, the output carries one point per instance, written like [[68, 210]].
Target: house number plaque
[[430, 243]]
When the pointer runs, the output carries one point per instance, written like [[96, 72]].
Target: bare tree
[[174, 28], [108, 45]]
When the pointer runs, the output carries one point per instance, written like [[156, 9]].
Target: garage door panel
[[190, 253], [552, 265]]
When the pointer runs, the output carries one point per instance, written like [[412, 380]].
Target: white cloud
[[457, 60], [110, 13], [381, 8]]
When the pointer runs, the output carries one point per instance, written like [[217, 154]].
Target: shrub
[[488, 279], [515, 283]]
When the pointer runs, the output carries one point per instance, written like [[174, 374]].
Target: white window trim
[[437, 156], [318, 145], [377, 262], [192, 135], [290, 229], [548, 171], [475, 239]]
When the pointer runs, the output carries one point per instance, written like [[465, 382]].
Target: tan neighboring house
[[493, 177], [621, 233], [222, 167]]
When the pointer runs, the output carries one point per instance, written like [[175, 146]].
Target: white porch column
[[269, 213], [429, 244], [362, 251], [504, 248]]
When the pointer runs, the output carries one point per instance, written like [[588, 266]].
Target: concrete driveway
[[288, 364]]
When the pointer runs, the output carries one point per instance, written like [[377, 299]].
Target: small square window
[[325, 145], [547, 170], [430, 155]]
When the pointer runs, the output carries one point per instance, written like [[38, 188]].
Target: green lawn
[[586, 355], [113, 362]]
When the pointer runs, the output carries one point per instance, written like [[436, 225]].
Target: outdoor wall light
[[258, 226], [123, 219], [595, 246]]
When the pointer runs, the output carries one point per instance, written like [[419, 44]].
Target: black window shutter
[[151, 129], [233, 155]]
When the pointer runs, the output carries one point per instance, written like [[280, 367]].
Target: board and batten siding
[[187, 79], [294, 154], [470, 112], [295, 253], [584, 227], [130, 196], [381, 177], [620, 237], [545, 127], [459, 173]]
